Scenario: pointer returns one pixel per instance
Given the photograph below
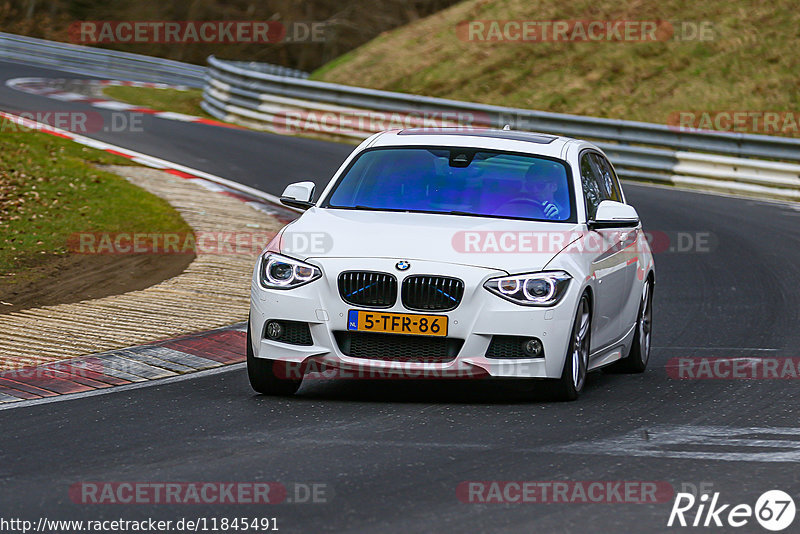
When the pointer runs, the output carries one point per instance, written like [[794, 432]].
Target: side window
[[590, 179], [609, 182]]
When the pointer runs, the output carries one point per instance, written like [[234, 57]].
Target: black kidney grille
[[370, 289], [399, 348], [432, 293]]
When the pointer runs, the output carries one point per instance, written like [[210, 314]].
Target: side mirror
[[298, 195], [612, 214]]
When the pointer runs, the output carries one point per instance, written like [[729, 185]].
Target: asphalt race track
[[391, 454]]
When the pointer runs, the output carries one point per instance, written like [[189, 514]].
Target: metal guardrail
[[113, 64], [758, 165], [98, 62], [269, 68]]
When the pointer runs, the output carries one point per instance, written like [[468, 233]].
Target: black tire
[[263, 378], [639, 355], [571, 383]]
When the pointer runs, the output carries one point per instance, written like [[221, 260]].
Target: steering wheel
[[521, 202]]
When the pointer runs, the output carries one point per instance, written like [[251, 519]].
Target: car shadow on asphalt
[[455, 391]]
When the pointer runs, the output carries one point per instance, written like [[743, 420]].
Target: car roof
[[511, 140]]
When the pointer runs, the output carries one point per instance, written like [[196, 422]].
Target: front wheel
[[576, 364], [639, 355], [263, 377]]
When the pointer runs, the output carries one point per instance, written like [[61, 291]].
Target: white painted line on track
[[112, 104], [69, 97], [171, 115], [696, 442]]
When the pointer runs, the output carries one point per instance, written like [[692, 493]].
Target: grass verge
[[178, 101], [49, 190], [748, 64]]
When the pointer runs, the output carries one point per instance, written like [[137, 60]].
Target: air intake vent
[[398, 348], [369, 289], [515, 347], [292, 332], [432, 293]]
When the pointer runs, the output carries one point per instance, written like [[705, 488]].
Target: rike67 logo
[[774, 510]]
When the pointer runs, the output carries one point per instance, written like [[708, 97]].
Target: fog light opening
[[274, 330], [533, 347]]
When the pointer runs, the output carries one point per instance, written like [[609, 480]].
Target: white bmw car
[[456, 253]]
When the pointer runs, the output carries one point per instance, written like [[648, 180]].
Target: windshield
[[456, 180]]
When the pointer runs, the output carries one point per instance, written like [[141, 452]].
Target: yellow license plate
[[397, 323]]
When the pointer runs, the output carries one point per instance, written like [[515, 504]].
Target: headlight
[[281, 272], [532, 289]]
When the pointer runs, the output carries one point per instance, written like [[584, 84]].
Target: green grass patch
[[750, 63], [50, 190], [186, 102], [331, 65]]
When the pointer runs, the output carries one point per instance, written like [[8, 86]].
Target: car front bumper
[[479, 316]]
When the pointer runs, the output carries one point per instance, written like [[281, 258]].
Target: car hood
[[505, 244]]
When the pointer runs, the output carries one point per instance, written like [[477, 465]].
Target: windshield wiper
[[456, 212], [435, 212]]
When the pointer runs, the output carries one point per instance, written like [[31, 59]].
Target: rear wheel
[[262, 374], [639, 355], [576, 364]]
